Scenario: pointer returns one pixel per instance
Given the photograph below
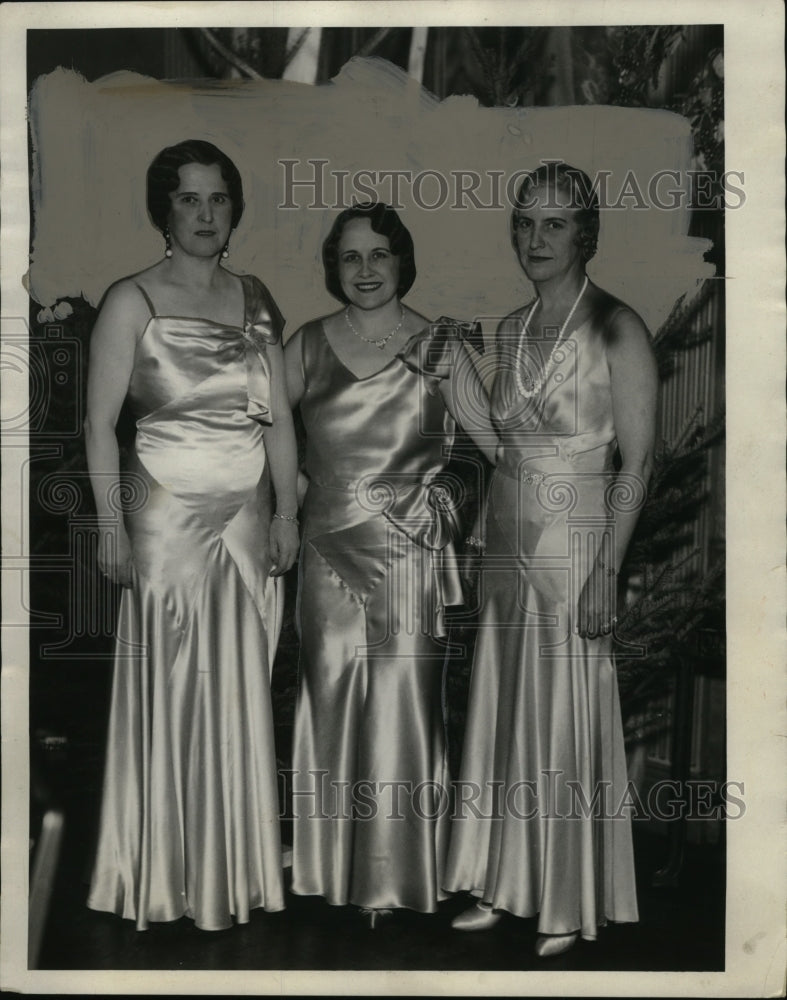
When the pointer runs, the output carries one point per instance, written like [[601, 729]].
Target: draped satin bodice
[[391, 423], [200, 393], [568, 425], [375, 445], [554, 467]]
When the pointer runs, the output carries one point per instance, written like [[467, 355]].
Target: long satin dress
[[543, 708], [370, 777], [190, 815]]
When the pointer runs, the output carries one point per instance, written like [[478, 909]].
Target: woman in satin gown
[[378, 389], [189, 817], [541, 829]]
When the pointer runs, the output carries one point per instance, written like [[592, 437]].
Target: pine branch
[[673, 601], [484, 61]]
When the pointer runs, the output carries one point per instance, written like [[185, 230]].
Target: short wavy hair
[[582, 197], [384, 221], [163, 177]]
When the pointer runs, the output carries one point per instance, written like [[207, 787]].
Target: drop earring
[[226, 251], [167, 244]]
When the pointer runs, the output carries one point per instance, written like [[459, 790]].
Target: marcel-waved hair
[[385, 222], [163, 177], [579, 194]]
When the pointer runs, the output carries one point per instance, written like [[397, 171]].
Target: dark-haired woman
[[189, 819], [542, 827], [378, 390]]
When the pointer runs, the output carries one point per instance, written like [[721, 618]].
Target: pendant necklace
[[526, 385], [379, 342]]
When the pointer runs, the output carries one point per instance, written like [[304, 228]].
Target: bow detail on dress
[[431, 352], [426, 513], [256, 336]]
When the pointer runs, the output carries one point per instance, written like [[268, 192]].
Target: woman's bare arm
[[296, 387], [119, 326], [281, 448], [634, 384]]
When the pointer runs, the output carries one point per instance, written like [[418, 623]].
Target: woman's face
[[201, 215], [547, 236], [368, 271]]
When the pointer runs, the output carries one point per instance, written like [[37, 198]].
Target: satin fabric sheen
[[190, 814], [543, 704], [369, 754]]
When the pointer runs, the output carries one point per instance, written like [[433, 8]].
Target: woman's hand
[[285, 543], [474, 552], [595, 614], [114, 555]]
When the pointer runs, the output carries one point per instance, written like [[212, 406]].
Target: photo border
[[755, 508]]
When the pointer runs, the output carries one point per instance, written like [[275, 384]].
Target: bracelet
[[476, 543], [287, 517]]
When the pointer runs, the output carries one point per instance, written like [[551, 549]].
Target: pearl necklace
[[380, 342], [527, 386]]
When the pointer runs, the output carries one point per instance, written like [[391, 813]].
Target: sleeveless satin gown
[[544, 731], [190, 815], [370, 766]]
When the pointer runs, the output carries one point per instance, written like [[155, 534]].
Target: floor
[[681, 928]]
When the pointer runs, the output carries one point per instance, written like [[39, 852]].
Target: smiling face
[[547, 236], [200, 218], [368, 271]]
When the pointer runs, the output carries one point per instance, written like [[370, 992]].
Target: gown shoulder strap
[[261, 308], [315, 351], [146, 297]]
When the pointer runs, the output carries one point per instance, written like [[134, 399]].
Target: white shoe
[[549, 945], [479, 917]]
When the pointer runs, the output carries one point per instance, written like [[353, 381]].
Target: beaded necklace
[[526, 385], [380, 342]]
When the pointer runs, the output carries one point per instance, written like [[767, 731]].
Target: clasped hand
[[595, 613], [285, 542], [114, 556]]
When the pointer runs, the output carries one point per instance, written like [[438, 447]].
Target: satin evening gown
[[544, 731], [190, 814], [370, 775]]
